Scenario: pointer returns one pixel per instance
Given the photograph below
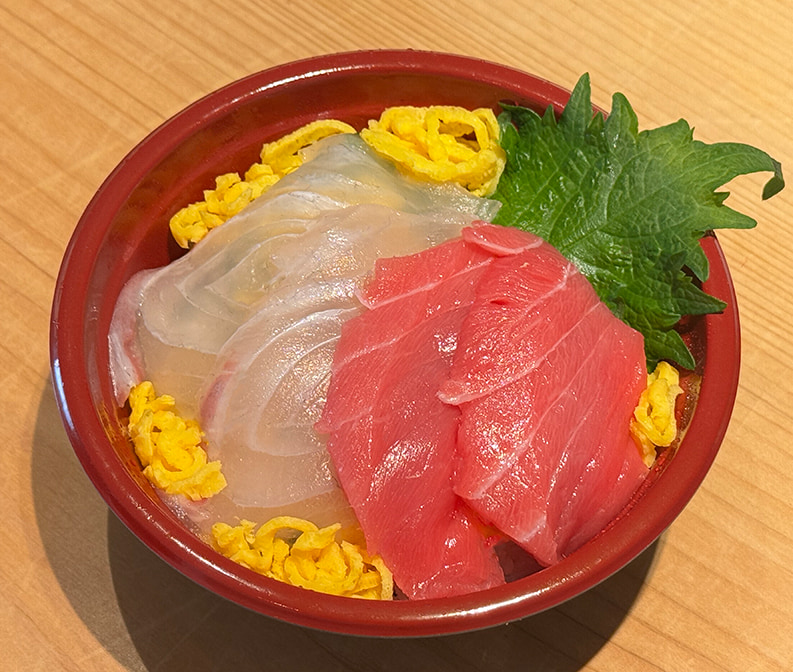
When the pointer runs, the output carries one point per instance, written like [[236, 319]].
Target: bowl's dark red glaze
[[125, 229]]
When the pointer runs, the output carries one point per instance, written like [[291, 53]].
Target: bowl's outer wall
[[125, 229]]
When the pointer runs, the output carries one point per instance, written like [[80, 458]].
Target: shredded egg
[[653, 423], [441, 143], [232, 193], [169, 447], [314, 559]]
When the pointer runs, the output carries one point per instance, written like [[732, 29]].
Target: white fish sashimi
[[242, 329]]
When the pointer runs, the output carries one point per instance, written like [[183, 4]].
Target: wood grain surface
[[82, 82]]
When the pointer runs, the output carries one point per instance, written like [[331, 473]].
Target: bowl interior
[[125, 229]]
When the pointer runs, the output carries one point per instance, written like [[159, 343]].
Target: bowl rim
[[626, 538]]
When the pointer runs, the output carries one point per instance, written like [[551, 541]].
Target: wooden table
[[82, 82]]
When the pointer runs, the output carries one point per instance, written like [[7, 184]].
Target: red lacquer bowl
[[125, 229]]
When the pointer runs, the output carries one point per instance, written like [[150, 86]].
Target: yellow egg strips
[[653, 424], [441, 143], [231, 193], [314, 560], [169, 447]]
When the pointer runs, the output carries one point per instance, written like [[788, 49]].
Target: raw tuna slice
[[546, 378], [392, 440]]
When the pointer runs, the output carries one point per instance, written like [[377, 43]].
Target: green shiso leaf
[[627, 207]]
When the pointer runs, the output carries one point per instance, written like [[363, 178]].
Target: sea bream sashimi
[[241, 329], [486, 380], [546, 378]]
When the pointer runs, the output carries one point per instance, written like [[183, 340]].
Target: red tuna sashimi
[[547, 379], [392, 440]]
